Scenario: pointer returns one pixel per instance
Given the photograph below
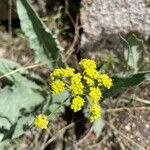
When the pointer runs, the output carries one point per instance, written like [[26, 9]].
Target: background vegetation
[[31, 47]]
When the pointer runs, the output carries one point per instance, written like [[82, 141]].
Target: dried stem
[[10, 17]]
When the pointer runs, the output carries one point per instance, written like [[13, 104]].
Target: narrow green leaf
[[121, 83], [46, 47]]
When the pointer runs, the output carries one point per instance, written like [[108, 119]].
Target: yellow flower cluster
[[95, 94], [85, 87], [87, 63], [58, 86], [77, 103], [41, 121], [95, 112], [61, 72], [105, 80], [76, 84]]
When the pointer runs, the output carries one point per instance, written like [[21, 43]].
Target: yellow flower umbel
[[62, 72], [95, 112], [88, 81], [92, 73], [105, 80], [87, 63], [76, 85], [77, 103], [41, 121], [57, 73], [68, 72], [95, 94], [85, 87], [57, 86]]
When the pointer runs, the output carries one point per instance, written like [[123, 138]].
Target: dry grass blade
[[126, 108]]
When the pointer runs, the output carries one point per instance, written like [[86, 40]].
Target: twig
[[97, 145], [84, 138], [67, 12], [19, 69], [124, 136], [126, 108], [10, 17], [76, 34], [57, 134], [134, 97], [75, 40], [28, 62], [45, 139], [23, 68]]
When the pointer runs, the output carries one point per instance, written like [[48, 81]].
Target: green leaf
[[46, 47], [7, 66], [134, 49], [4, 144], [57, 101], [121, 83], [98, 126], [22, 124], [19, 77], [17, 101]]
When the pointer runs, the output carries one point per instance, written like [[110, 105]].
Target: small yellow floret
[[77, 103], [87, 63], [68, 72], [88, 81], [105, 80], [57, 86], [76, 78], [41, 121], [76, 85], [95, 94], [92, 73], [77, 89], [95, 112], [57, 73]]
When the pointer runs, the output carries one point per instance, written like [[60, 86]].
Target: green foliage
[[44, 44], [19, 98], [122, 83], [20, 95], [98, 126], [134, 49]]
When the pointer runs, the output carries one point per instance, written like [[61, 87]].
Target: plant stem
[[59, 107]]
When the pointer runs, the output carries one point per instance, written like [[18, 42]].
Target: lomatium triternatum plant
[[85, 89]]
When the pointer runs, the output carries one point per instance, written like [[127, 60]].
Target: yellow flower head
[[57, 73], [87, 63], [77, 88], [76, 78], [92, 73], [68, 72], [77, 103], [76, 85], [41, 121], [57, 86], [88, 81], [105, 80], [95, 112], [86, 85], [95, 94]]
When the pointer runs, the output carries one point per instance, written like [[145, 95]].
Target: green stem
[[59, 107]]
